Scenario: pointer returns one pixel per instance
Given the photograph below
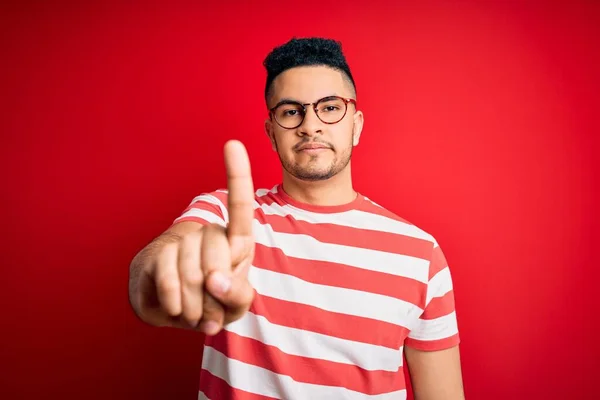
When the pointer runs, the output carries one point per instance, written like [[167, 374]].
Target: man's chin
[[312, 176], [311, 171]]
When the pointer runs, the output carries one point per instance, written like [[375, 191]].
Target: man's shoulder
[[390, 218]]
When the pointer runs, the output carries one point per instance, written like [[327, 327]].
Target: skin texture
[[195, 276]]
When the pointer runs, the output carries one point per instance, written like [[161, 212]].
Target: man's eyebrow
[[289, 100], [331, 97]]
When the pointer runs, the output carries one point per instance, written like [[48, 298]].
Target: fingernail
[[222, 281], [210, 328]]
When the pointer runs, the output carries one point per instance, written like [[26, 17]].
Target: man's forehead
[[308, 84]]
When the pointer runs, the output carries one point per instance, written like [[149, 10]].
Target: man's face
[[297, 147]]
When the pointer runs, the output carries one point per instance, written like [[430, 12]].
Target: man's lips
[[313, 146]]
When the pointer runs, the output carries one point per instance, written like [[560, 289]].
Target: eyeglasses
[[330, 110]]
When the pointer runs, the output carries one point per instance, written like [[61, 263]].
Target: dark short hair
[[306, 52]]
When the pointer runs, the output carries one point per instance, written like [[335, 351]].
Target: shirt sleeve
[[207, 208], [437, 327]]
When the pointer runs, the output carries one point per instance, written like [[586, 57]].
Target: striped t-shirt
[[340, 290]]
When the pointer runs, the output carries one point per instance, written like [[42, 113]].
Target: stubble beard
[[312, 174]]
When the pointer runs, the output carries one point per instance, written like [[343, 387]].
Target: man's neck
[[334, 191]]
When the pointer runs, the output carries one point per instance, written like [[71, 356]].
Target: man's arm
[[435, 375], [195, 274], [431, 348]]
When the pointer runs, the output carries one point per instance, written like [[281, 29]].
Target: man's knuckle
[[194, 278], [190, 238], [167, 285]]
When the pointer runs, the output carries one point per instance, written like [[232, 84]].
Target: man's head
[[304, 71]]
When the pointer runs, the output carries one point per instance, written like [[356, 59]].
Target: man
[[308, 290]]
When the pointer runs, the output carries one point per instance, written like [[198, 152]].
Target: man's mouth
[[312, 147]]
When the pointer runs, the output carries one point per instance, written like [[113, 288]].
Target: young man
[[307, 290]]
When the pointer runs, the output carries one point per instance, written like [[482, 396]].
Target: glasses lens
[[331, 110], [289, 115]]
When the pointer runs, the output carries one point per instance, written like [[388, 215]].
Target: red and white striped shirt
[[340, 290]]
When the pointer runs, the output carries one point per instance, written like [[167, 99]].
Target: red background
[[481, 127]]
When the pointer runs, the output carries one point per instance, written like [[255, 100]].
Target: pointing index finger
[[240, 191]]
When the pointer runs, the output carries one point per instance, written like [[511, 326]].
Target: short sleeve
[[437, 327], [207, 208]]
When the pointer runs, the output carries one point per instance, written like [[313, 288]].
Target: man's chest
[[317, 279]]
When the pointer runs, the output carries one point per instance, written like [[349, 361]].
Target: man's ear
[[359, 121], [270, 133]]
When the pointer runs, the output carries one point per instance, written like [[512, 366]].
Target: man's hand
[[197, 276]]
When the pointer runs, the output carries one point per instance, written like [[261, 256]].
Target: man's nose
[[311, 125]]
